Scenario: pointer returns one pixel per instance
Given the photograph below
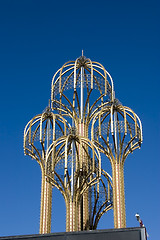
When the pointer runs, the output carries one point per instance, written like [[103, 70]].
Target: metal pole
[[82, 82], [115, 132], [72, 171]]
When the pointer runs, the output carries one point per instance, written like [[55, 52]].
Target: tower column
[[118, 195], [46, 206], [83, 210]]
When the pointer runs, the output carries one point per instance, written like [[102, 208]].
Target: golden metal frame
[[118, 133], [85, 121]]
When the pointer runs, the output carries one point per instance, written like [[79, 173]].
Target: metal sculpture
[[72, 141]]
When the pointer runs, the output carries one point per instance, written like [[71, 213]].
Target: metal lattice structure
[[72, 140]]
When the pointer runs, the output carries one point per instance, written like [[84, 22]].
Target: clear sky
[[36, 38]]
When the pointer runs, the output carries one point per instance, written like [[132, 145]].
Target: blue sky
[[38, 37]]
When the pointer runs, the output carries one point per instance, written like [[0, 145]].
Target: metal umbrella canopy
[[68, 140]]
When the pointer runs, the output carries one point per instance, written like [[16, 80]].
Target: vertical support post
[[46, 206], [115, 134], [118, 181], [46, 194], [72, 170], [118, 195], [82, 82], [84, 203]]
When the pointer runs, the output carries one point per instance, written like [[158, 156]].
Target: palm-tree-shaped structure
[[117, 131], [73, 139]]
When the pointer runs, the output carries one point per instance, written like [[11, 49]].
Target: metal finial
[[82, 52]]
